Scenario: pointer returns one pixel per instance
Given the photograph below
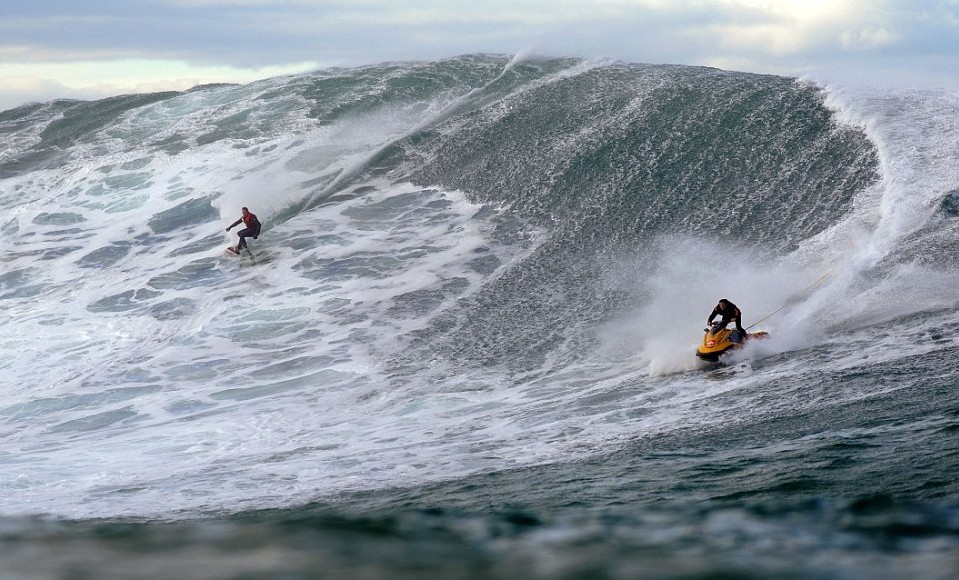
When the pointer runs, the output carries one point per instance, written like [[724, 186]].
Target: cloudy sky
[[94, 48]]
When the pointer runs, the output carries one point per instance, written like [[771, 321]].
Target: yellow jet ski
[[719, 340]]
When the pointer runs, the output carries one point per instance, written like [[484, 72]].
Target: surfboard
[[230, 251]]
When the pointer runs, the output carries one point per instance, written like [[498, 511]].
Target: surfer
[[728, 311], [252, 229]]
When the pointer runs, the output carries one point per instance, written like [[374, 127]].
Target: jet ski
[[719, 340]]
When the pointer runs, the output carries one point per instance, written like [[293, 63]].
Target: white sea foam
[[147, 374]]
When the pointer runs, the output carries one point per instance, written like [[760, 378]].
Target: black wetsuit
[[731, 313], [252, 229]]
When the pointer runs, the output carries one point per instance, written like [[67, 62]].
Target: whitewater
[[465, 337]]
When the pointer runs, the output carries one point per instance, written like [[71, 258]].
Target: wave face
[[477, 275]]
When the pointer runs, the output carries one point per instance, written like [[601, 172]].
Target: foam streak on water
[[479, 286]]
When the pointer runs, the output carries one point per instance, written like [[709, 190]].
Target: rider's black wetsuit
[[730, 313]]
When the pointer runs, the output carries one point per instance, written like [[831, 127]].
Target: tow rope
[[804, 291]]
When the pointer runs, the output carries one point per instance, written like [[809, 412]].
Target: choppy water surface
[[463, 344]]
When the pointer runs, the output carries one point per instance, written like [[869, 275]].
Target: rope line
[[805, 290]]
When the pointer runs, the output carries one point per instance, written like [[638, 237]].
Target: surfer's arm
[[712, 315], [234, 224]]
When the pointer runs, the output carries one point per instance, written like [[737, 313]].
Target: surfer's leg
[[243, 234]]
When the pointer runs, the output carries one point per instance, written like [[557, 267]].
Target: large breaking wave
[[467, 265]]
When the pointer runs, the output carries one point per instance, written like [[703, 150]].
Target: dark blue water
[[463, 344]]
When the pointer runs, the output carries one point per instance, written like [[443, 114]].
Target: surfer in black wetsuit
[[728, 311], [252, 229]]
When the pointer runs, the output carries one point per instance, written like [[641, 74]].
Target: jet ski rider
[[729, 312]]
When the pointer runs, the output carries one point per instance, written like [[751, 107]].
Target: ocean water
[[463, 346]]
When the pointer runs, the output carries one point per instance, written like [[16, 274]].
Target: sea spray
[[483, 281]]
